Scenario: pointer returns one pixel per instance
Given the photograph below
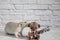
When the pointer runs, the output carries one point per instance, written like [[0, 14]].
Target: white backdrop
[[46, 12]]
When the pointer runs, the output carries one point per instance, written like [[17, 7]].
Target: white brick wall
[[54, 7], [23, 1], [6, 7], [46, 12]]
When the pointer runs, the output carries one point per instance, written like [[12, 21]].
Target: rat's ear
[[38, 25], [29, 25]]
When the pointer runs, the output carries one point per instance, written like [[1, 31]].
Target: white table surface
[[53, 34]]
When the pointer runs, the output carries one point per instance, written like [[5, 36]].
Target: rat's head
[[34, 25], [22, 24]]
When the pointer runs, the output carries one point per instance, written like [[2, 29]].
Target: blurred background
[[46, 12]]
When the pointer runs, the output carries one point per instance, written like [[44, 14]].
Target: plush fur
[[33, 34], [34, 25], [27, 32]]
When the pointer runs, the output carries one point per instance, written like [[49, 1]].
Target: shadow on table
[[2, 33]]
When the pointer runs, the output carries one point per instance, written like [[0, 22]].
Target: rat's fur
[[14, 28]]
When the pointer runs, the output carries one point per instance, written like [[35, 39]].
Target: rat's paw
[[18, 35]]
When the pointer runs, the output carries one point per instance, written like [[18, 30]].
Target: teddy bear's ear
[[39, 25], [29, 25]]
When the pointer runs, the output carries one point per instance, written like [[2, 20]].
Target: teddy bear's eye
[[31, 28]]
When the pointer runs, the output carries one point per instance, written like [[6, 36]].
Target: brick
[[18, 7], [6, 7], [30, 18], [54, 7], [55, 17], [5, 17], [56, 1], [4, 1], [36, 18], [4, 12], [23, 1], [12, 12], [43, 12], [48, 23], [56, 23], [45, 18], [45, 1], [36, 7], [56, 13], [11, 17], [6, 21], [0, 22], [23, 12], [15, 17], [48, 1], [26, 17], [35, 1], [56, 20]]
